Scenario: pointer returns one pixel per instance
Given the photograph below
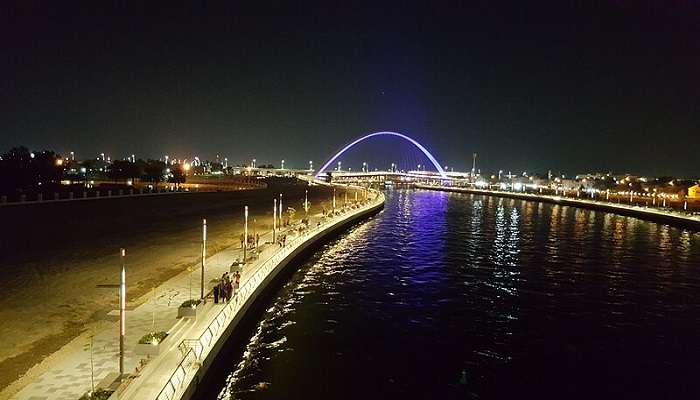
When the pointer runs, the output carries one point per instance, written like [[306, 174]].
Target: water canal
[[448, 295]]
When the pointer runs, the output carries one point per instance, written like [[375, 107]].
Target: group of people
[[227, 287], [253, 240]]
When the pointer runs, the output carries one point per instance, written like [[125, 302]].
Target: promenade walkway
[[653, 213], [70, 376]]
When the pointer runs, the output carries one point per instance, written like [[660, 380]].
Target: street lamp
[[274, 221], [204, 255], [122, 309], [281, 222], [122, 312], [311, 165], [334, 200], [306, 202], [282, 164], [245, 233]]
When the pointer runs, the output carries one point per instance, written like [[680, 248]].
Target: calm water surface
[[460, 296]]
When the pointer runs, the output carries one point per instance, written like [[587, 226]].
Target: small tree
[[177, 175], [89, 347], [155, 171]]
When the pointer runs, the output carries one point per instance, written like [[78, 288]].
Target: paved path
[[70, 377], [169, 374]]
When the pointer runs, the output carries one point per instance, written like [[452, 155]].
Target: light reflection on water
[[462, 296]]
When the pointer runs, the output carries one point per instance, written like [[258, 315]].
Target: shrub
[[99, 394], [153, 336], [191, 303]]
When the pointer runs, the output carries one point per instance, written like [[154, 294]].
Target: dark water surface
[[462, 296]]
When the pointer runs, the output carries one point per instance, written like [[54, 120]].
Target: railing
[[196, 348]]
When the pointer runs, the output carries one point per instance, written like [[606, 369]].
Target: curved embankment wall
[[302, 250], [671, 219]]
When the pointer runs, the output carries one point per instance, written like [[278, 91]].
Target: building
[[694, 192]]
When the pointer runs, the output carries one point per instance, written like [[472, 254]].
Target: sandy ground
[[53, 256]]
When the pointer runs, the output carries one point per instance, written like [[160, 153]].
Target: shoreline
[[649, 214]]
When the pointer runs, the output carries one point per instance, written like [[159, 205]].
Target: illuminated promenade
[[191, 342], [654, 214]]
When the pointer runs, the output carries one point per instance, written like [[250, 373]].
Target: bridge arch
[[385, 133]]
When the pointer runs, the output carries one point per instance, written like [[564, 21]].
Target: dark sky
[[573, 88]]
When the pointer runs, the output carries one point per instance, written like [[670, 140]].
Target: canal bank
[[460, 297], [646, 213], [177, 373]]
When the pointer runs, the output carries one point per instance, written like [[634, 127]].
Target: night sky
[[567, 87]]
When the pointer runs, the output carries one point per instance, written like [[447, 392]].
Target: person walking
[[242, 239], [229, 289], [216, 293], [257, 240], [237, 284], [224, 287]]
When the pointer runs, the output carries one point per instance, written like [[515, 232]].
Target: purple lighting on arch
[[402, 136]]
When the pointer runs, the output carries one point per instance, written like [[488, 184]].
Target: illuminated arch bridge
[[400, 135]]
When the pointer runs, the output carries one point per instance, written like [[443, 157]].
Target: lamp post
[[274, 221], [122, 312], [280, 210], [311, 165], [122, 309], [204, 256], [306, 202], [334, 200], [245, 233], [345, 201]]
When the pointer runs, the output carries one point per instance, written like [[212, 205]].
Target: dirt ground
[[53, 256]]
